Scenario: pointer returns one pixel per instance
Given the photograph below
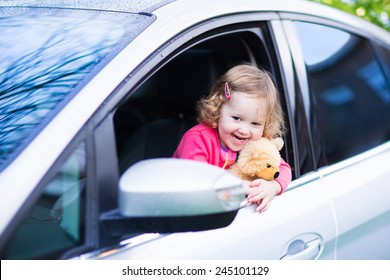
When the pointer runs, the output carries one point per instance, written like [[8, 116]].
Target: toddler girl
[[243, 105]]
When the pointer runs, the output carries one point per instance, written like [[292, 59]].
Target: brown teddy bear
[[259, 159]]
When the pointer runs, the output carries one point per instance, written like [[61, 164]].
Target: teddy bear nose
[[276, 175]]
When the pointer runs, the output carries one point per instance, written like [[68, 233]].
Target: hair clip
[[227, 91]]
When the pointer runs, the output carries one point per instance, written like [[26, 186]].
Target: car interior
[[152, 121]]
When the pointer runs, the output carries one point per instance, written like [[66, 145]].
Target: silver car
[[95, 95]]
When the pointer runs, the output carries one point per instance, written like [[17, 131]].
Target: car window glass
[[46, 55], [56, 221], [350, 94]]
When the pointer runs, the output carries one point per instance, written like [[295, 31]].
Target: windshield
[[46, 57]]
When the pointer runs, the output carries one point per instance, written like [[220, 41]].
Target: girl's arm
[[285, 176], [192, 147], [262, 192]]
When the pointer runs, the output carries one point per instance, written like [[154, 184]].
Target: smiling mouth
[[239, 139]]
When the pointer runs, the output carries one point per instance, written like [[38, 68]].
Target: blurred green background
[[376, 11]]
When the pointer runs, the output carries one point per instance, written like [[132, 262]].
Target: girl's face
[[242, 119]]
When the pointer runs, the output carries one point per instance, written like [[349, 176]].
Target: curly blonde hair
[[250, 80]]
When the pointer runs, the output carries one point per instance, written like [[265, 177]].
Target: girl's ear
[[278, 142]]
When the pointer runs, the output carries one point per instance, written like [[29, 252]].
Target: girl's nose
[[244, 129]]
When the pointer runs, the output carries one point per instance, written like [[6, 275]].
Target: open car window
[[152, 121]]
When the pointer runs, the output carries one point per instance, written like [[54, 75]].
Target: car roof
[[144, 6], [304, 7]]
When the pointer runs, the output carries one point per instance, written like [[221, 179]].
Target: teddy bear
[[259, 159]]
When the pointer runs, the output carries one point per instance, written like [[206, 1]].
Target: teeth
[[238, 138]]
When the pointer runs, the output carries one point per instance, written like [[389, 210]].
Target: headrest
[[188, 77]]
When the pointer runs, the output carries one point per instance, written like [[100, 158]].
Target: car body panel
[[362, 217], [252, 234], [324, 206]]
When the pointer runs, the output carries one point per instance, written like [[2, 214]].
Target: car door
[[300, 223], [295, 227], [349, 96]]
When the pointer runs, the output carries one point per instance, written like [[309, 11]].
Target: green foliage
[[376, 11]]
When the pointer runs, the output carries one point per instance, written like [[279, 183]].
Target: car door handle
[[299, 250]]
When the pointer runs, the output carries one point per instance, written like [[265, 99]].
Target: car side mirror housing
[[174, 195]]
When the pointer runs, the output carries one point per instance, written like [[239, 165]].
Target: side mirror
[[174, 195]]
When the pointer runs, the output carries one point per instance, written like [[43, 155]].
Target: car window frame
[[194, 36], [274, 64]]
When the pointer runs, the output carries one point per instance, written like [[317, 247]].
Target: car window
[[155, 117], [349, 91], [56, 222], [46, 56]]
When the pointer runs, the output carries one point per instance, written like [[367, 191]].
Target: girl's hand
[[262, 192]]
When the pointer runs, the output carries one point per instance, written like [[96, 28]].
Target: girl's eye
[[236, 118], [256, 124]]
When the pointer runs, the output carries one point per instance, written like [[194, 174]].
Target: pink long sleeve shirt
[[202, 143]]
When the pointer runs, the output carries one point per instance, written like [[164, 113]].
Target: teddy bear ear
[[278, 142]]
